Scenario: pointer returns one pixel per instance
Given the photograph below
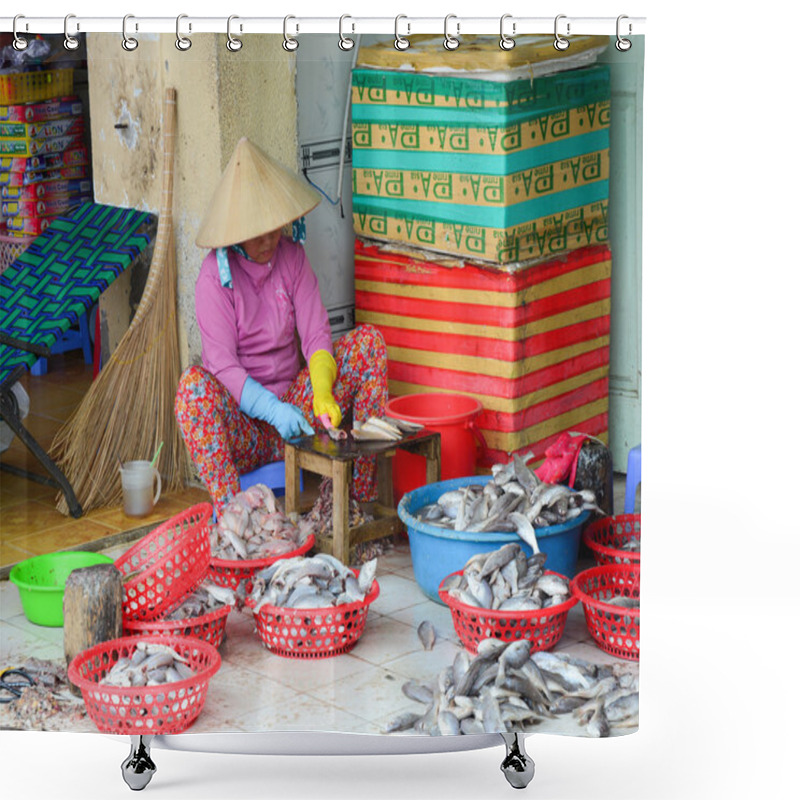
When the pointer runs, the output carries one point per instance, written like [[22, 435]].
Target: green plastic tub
[[41, 581]]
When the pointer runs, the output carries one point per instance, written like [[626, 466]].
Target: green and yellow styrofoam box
[[494, 155]]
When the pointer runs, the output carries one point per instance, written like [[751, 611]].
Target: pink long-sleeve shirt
[[249, 329]]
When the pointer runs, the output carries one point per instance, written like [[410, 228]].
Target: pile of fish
[[383, 429], [150, 664], [506, 580], [319, 521], [504, 689], [318, 582], [252, 526], [203, 600], [513, 500]]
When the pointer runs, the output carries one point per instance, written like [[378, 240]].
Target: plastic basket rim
[[602, 569], [157, 531], [204, 676], [605, 550], [251, 564], [370, 598], [186, 622], [530, 614]]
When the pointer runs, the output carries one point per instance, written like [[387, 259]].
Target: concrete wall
[[222, 96]]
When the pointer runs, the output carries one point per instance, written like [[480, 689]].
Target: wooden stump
[[92, 609]]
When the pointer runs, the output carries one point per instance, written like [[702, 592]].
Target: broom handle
[[164, 238]]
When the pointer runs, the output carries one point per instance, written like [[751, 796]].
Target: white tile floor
[[358, 692]]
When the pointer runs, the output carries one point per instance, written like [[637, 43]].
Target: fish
[[402, 722], [513, 488], [206, 598], [251, 526], [376, 428], [417, 691], [622, 602], [504, 579], [321, 581], [427, 634], [151, 664], [501, 689]]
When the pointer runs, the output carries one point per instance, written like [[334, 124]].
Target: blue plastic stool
[[273, 475], [634, 477], [70, 340]]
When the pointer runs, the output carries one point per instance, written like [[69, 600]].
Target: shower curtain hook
[[233, 44], [344, 42], [70, 42], [451, 42], [400, 42], [129, 43], [560, 43], [290, 44], [623, 44], [183, 43], [507, 42], [19, 43]]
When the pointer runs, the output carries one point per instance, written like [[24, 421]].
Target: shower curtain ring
[[19, 43], [290, 44], [400, 42], [129, 43], [233, 44], [560, 43], [344, 42], [451, 42], [182, 42], [623, 44], [507, 42], [70, 42]]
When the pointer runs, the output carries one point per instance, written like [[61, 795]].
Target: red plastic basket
[[168, 564], [605, 537], [170, 708], [313, 633], [208, 627], [231, 573], [542, 627], [615, 629]]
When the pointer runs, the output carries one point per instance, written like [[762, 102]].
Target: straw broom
[[129, 409]]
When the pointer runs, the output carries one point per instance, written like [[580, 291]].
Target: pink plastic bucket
[[453, 417]]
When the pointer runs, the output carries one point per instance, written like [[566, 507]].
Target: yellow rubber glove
[[322, 368]]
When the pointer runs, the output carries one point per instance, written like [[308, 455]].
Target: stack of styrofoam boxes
[[44, 168], [491, 276]]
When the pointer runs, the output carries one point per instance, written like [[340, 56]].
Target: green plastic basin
[[41, 581]]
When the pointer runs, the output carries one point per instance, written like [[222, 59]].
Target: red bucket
[[453, 417]]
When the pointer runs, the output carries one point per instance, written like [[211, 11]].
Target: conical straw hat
[[255, 195]]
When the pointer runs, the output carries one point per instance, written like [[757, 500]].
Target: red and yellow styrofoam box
[[531, 345]]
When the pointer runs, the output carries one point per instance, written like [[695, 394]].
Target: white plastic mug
[[137, 487]]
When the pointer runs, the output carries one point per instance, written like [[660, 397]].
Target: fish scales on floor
[[252, 526], [321, 581], [505, 688], [514, 500], [507, 580]]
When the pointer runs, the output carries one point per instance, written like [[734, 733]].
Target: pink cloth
[[249, 329], [561, 459]]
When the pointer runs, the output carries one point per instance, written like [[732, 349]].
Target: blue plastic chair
[[634, 477]]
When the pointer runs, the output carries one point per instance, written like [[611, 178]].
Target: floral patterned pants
[[224, 441]]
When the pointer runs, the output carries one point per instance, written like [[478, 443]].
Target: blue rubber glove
[[260, 403]]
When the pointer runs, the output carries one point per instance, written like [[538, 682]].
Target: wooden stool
[[334, 459]]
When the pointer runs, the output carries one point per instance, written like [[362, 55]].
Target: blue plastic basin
[[437, 552]]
